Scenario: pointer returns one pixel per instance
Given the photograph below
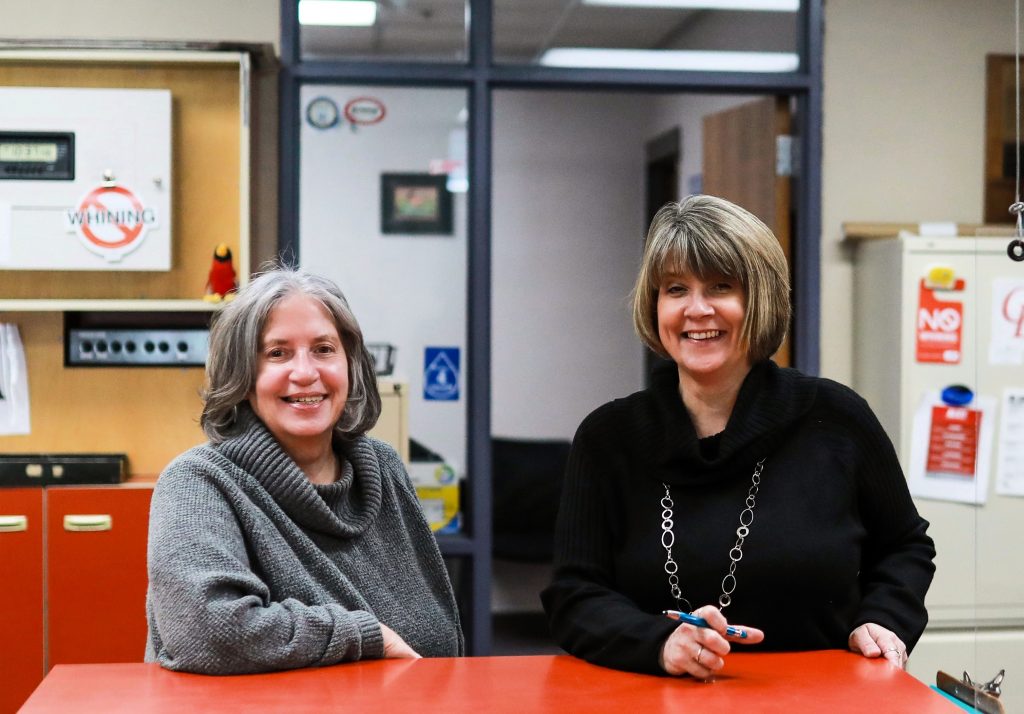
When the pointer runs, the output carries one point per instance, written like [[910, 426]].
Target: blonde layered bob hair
[[711, 237], [233, 359]]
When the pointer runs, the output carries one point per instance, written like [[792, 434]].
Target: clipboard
[[980, 696]]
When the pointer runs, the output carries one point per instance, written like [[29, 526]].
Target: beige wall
[[198, 20], [903, 128]]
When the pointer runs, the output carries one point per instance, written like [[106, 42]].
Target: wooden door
[[97, 574], [21, 595], [740, 154]]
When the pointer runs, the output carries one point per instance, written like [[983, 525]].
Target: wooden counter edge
[[854, 230]]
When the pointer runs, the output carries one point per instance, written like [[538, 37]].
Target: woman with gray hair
[[731, 490], [291, 539]]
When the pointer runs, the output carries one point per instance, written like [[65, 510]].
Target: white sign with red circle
[[365, 110], [112, 221]]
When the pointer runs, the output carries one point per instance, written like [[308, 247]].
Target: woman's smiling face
[[700, 321], [302, 378]]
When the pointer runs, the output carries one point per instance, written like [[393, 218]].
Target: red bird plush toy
[[221, 284]]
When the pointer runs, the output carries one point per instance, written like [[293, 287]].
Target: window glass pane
[[399, 30], [383, 213], [577, 176], [653, 34]]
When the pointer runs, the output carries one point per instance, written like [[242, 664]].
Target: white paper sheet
[[1007, 343], [936, 483], [14, 406], [1010, 467]]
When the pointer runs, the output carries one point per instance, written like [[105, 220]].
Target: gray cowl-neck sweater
[[253, 568]]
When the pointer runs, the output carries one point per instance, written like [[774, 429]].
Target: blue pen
[[701, 622]]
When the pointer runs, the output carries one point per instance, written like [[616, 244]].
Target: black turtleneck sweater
[[835, 542]]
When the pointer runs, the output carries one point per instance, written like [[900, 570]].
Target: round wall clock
[[322, 113]]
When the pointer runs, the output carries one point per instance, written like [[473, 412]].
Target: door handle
[[81, 522], [13, 524]]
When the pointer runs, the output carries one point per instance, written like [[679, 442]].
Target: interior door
[[740, 163]]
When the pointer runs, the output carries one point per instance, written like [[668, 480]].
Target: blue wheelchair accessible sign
[[441, 374]]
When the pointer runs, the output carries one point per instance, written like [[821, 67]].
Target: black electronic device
[[37, 156], [56, 469], [136, 348], [136, 339]]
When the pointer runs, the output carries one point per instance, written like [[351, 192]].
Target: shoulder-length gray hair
[[709, 236], [233, 358]]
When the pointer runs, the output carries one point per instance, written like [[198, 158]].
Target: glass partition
[[383, 212], [576, 178], [734, 35], [390, 30]]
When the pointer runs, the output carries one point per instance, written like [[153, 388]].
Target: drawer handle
[[88, 522], [13, 524]]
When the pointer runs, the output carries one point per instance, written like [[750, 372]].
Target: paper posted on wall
[[1010, 468], [950, 453], [14, 407]]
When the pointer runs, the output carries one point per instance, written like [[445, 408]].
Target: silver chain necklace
[[668, 539]]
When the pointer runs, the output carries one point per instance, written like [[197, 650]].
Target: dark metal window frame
[[480, 77]]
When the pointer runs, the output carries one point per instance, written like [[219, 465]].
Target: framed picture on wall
[[415, 203]]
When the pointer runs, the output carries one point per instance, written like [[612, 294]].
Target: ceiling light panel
[[679, 60], [755, 5], [338, 13]]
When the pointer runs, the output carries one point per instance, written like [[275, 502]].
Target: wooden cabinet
[[93, 554], [21, 595], [219, 133]]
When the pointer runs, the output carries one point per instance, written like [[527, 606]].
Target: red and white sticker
[[111, 221], [939, 326], [365, 110], [953, 441]]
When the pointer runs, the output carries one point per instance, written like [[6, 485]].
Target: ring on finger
[[699, 653]]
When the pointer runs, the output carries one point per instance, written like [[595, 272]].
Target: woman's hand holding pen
[[395, 647], [700, 650], [873, 640]]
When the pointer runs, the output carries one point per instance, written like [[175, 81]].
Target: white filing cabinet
[[976, 602]]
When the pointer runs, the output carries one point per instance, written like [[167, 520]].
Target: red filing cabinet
[[93, 553], [96, 578], [21, 595]]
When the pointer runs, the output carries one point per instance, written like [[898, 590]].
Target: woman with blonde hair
[[731, 490]]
